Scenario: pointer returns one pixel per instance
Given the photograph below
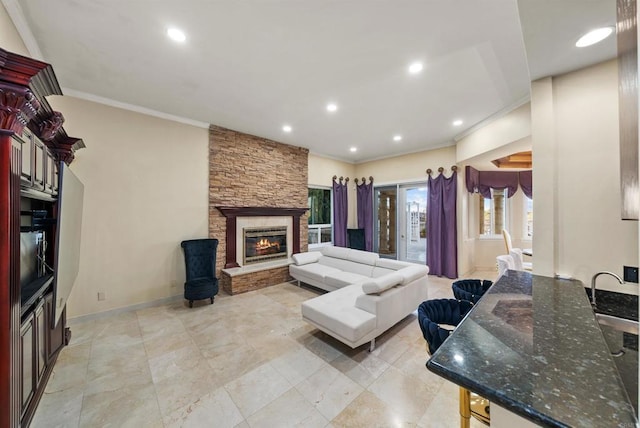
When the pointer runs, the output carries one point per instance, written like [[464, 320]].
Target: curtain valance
[[483, 181]]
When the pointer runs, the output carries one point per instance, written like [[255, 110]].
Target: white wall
[[146, 189], [578, 230]]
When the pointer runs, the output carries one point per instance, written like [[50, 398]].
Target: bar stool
[[432, 313], [470, 289]]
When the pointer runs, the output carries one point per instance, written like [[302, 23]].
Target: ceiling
[[256, 65]]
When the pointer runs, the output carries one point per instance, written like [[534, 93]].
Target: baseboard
[[117, 311]]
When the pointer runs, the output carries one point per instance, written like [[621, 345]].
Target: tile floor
[[246, 361]]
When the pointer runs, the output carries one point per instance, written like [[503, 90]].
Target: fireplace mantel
[[231, 213]]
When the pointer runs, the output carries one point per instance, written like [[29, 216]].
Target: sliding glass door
[[412, 223], [385, 226], [400, 217]]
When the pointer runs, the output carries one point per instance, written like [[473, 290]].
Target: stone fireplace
[[253, 183], [259, 239]]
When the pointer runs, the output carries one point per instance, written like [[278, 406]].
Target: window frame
[[506, 216], [525, 220], [318, 227]]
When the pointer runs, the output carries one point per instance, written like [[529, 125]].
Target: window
[[493, 213], [320, 216], [528, 217]]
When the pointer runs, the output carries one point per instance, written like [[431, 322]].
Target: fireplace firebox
[[264, 244]]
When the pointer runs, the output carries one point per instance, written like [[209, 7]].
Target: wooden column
[[17, 106]]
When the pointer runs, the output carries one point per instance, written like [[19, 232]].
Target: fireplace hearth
[[264, 244]]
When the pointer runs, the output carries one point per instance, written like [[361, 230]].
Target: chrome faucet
[[593, 284]]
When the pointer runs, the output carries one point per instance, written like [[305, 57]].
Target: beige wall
[[505, 130], [10, 40], [407, 168], [146, 189], [578, 230], [501, 137], [321, 171]]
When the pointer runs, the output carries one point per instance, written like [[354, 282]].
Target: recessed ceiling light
[[397, 137], [457, 122], [415, 68], [594, 36], [332, 107], [287, 128], [353, 149], [176, 35]]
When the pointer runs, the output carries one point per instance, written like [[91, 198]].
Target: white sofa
[[367, 294]]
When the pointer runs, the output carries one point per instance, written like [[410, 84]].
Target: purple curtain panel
[[340, 213], [365, 212], [526, 182], [442, 234]]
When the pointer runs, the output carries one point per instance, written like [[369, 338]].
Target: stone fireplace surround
[[250, 171], [239, 279], [233, 213]]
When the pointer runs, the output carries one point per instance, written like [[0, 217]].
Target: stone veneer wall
[[250, 171]]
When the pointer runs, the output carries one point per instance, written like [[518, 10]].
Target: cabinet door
[[40, 165], [27, 369], [54, 177], [27, 157], [41, 339], [49, 171], [55, 335]]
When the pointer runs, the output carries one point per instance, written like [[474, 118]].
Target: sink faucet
[[593, 284]]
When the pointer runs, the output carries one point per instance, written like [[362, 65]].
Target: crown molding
[[497, 115], [131, 107]]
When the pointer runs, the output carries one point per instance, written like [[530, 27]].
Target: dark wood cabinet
[[40, 351], [32, 145], [27, 372]]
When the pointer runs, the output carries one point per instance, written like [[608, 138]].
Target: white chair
[[519, 263], [507, 240], [504, 263]]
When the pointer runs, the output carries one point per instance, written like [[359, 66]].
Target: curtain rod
[[454, 168], [346, 180], [364, 180]]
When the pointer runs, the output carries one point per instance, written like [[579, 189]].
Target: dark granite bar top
[[532, 345]]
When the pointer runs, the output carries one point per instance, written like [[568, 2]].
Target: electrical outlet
[[630, 274], [101, 295]]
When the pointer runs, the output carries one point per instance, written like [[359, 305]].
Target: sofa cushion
[[343, 278], [306, 258], [380, 284], [364, 257], [314, 271], [413, 272], [392, 264], [337, 252], [346, 265], [336, 311], [378, 271]]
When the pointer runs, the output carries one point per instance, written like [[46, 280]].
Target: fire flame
[[264, 244]]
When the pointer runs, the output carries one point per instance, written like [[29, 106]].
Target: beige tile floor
[[246, 361]]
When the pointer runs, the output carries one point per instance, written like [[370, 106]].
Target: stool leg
[[465, 408], [372, 345]]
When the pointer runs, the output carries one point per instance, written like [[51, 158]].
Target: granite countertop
[[533, 346]]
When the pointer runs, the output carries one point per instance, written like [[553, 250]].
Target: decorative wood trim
[[24, 84], [7, 400], [231, 213]]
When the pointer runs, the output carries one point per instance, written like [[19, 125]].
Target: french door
[[400, 222]]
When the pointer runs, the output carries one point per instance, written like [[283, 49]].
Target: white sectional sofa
[[367, 294]]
